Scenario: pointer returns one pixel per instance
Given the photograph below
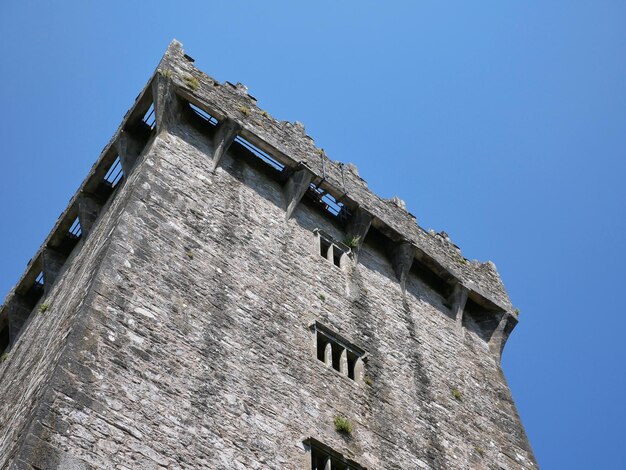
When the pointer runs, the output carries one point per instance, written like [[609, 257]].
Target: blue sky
[[502, 123]]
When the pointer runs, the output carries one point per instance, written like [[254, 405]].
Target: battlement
[[228, 114]]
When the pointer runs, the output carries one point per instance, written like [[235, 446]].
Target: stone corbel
[[401, 260], [167, 107], [226, 133], [18, 313], [128, 149], [501, 334], [457, 301], [88, 211], [294, 189], [52, 263]]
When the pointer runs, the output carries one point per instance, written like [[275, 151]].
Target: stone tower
[[220, 294]]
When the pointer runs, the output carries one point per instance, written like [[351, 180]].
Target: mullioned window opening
[[332, 250], [339, 354], [325, 458]]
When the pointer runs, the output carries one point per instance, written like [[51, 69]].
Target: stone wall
[[179, 335]]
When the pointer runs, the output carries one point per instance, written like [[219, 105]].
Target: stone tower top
[[219, 293], [293, 148]]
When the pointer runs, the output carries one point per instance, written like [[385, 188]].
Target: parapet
[[234, 114]]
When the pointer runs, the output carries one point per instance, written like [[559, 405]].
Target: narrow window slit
[[324, 247], [260, 154], [4, 338], [337, 351], [352, 360], [39, 280]]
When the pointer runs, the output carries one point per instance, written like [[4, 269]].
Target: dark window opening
[[378, 241], [320, 458], [431, 279], [259, 154], [337, 351], [481, 320], [201, 120], [322, 341], [352, 358], [35, 291], [324, 247], [111, 180], [337, 256], [338, 348], [4, 339], [140, 130], [71, 238], [212, 120], [331, 250]]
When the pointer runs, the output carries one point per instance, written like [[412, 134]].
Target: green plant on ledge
[[192, 82], [456, 393], [4, 356], [244, 110], [342, 425], [322, 297], [352, 242], [165, 73], [43, 307]]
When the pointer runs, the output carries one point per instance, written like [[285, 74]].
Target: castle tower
[[220, 294]]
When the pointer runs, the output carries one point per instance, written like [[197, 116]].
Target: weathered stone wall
[[38, 374], [179, 336], [194, 348]]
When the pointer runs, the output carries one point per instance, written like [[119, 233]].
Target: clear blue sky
[[502, 123]]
